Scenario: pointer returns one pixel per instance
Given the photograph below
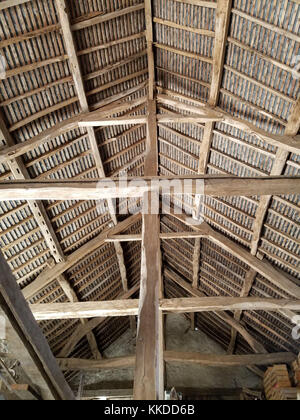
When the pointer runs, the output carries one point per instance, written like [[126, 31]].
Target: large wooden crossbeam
[[264, 268], [117, 308], [180, 357], [213, 185]]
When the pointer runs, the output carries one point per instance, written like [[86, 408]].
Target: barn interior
[[103, 105]]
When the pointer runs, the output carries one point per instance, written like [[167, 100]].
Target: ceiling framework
[[187, 89]]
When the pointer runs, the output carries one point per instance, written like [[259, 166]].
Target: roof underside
[[258, 85]]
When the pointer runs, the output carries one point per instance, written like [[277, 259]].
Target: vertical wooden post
[[149, 372]]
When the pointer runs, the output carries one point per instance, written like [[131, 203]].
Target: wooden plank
[[51, 311], [216, 304], [30, 339], [212, 185], [149, 376], [49, 275], [86, 365], [175, 25], [228, 360]]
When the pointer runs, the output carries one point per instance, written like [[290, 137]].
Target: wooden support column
[[149, 377], [30, 345], [79, 84], [280, 160]]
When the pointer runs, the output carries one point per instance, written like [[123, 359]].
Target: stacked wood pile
[[278, 385], [296, 370]]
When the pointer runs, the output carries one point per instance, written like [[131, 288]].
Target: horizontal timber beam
[[215, 304], [212, 185], [114, 308], [228, 360], [212, 360], [87, 365]]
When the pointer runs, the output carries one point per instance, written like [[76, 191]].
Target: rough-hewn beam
[[287, 143], [30, 341], [216, 304], [20, 172], [148, 378], [180, 357], [106, 17], [47, 276], [181, 305], [264, 268], [79, 85], [63, 127], [87, 365], [213, 185], [279, 164], [228, 360]]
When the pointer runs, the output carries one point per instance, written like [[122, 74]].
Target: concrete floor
[[181, 338]]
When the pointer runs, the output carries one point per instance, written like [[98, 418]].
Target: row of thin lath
[[221, 274]]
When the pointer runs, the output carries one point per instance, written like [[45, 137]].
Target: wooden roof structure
[[177, 89]]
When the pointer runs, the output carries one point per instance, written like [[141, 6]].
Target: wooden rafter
[[71, 295], [264, 268], [235, 324], [49, 275], [79, 85], [20, 172], [279, 164], [29, 340]]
